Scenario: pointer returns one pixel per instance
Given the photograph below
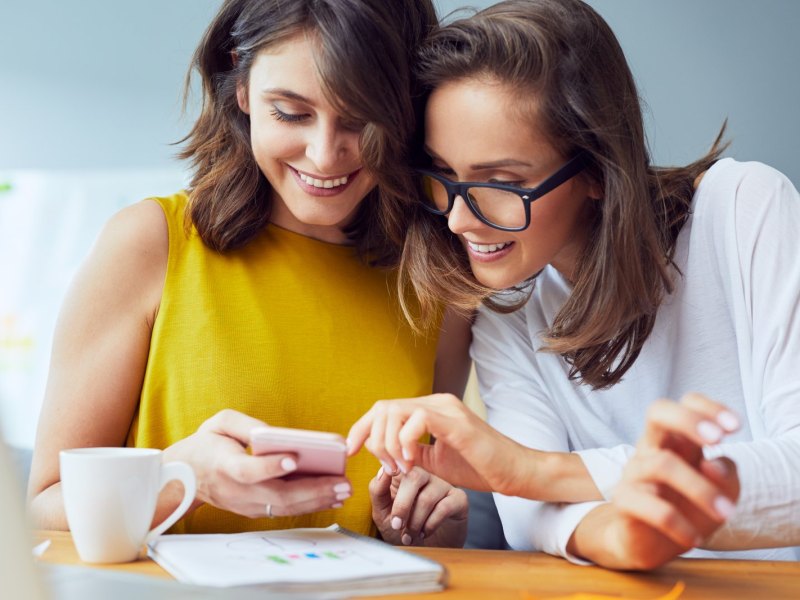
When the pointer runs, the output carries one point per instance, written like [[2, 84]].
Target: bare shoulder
[[140, 228], [129, 259]]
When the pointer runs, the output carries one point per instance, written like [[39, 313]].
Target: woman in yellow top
[[266, 293]]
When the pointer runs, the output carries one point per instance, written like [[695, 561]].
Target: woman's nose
[[461, 218], [330, 148]]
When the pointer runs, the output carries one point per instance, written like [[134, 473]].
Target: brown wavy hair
[[363, 53], [563, 54]]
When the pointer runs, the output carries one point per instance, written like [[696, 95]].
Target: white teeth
[[486, 248], [323, 183]]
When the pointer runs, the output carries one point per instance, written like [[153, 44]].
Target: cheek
[[272, 140]]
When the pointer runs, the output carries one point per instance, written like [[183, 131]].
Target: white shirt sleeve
[[516, 407], [762, 249]]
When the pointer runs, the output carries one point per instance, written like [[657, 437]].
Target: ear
[[241, 90], [242, 98], [596, 191]]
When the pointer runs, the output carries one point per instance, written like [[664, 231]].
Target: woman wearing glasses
[[611, 288]]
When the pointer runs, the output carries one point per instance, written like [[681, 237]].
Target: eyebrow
[[495, 164], [288, 94]]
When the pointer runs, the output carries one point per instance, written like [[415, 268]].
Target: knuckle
[[666, 517], [661, 462], [416, 476], [654, 410]]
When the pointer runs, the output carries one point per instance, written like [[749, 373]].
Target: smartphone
[[318, 452]]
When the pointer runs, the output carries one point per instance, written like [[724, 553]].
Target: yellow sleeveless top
[[290, 330]]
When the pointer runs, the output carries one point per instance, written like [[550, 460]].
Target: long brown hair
[[563, 54], [363, 53]]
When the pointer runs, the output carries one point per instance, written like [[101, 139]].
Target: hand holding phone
[[318, 452]]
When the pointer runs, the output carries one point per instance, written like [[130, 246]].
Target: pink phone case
[[318, 452]]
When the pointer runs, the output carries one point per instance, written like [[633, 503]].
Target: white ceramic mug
[[110, 497]]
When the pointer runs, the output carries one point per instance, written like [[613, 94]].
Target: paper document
[[326, 559]]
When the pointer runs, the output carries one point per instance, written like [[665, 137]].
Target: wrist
[[588, 541]]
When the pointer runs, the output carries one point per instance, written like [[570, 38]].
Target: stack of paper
[[298, 560]]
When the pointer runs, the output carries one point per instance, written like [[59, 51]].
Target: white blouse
[[730, 330]]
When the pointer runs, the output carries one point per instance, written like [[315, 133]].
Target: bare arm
[[99, 350]]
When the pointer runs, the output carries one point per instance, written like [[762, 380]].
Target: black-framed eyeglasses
[[499, 205]]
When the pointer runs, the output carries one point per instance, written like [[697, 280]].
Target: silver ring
[[269, 511]]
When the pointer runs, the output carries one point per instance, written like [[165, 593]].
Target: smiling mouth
[[487, 248], [325, 184]]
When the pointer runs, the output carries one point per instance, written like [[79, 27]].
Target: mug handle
[[184, 473]]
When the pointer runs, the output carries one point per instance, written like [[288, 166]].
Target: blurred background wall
[[90, 103]]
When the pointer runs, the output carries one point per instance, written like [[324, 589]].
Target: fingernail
[[709, 432], [348, 444], [397, 523], [720, 467], [406, 539], [421, 536], [288, 464], [343, 496], [406, 454], [724, 507], [337, 505], [403, 467], [380, 473], [390, 470], [341, 487], [728, 420]]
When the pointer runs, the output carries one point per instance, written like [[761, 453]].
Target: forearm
[[46, 509], [169, 499], [553, 477]]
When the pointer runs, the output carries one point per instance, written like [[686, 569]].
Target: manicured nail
[[348, 445], [337, 505], [342, 487], [728, 420], [343, 496], [380, 473], [403, 467], [389, 469], [720, 467], [724, 507], [406, 539], [397, 523], [709, 432], [288, 464], [406, 454]]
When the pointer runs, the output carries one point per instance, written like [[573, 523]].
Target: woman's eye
[[287, 117], [516, 183]]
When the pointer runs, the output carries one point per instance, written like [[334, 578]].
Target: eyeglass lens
[[498, 207]]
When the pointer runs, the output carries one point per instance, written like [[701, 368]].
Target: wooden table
[[495, 574]]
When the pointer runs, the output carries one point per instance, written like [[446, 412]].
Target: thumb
[[232, 424], [722, 471], [380, 492]]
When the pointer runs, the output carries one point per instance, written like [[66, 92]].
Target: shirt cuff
[[605, 466], [557, 523]]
